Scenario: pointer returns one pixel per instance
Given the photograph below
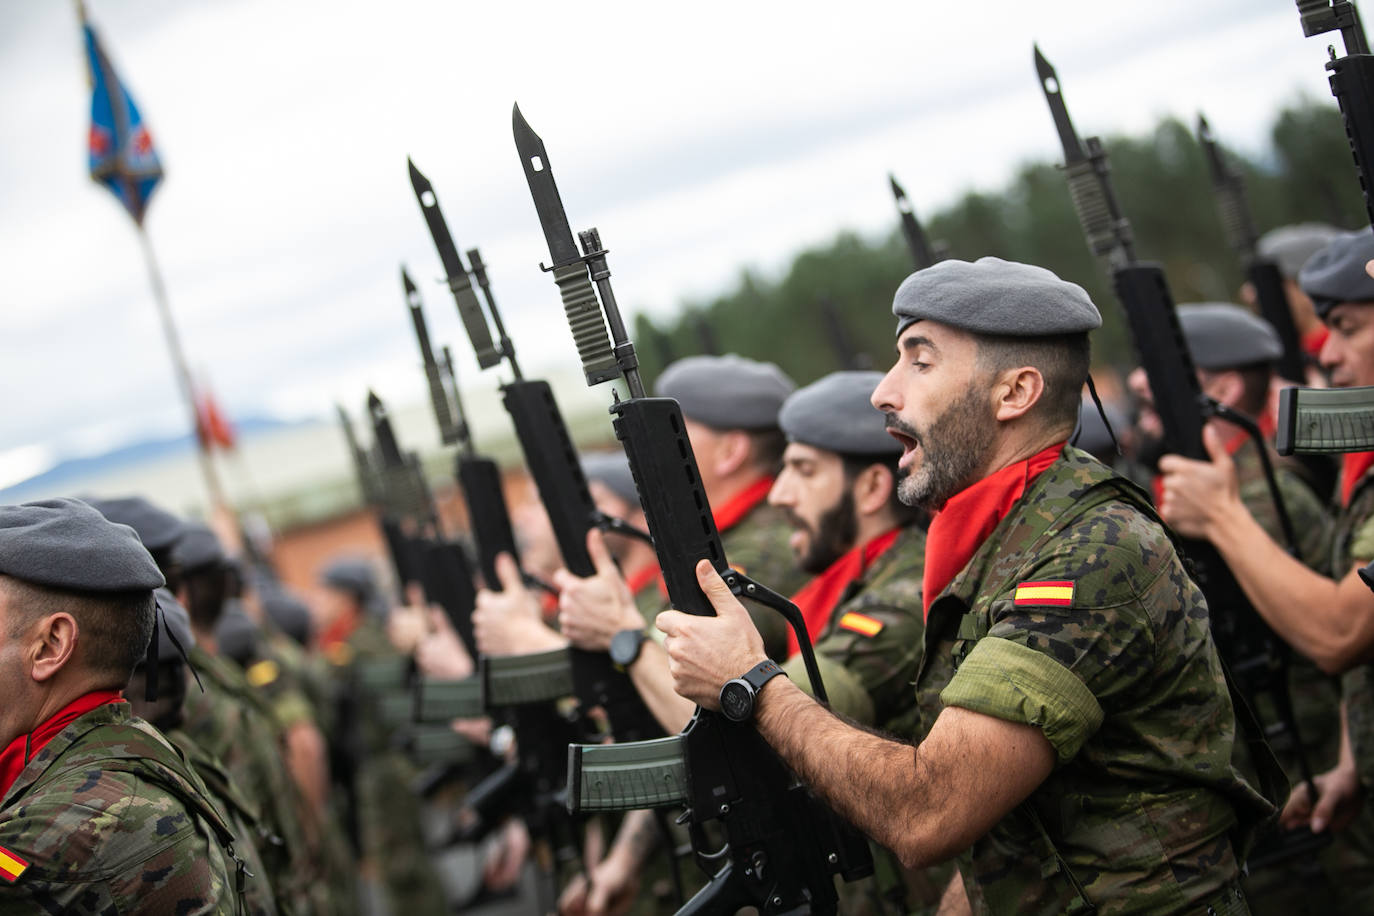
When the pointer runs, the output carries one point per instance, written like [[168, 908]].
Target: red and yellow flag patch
[[11, 866], [1059, 594], [861, 623]]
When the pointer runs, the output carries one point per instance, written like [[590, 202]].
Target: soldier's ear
[[54, 645], [1016, 391], [872, 489]]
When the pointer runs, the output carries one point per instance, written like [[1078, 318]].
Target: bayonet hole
[[537, 163], [1051, 84], [427, 199]]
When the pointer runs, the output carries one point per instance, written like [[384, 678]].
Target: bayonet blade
[[1068, 137], [383, 436], [547, 203], [438, 397], [916, 239], [469, 309]]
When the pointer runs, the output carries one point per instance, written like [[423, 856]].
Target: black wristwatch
[[625, 646], [737, 696]]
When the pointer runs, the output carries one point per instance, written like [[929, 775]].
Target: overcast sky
[[699, 138]]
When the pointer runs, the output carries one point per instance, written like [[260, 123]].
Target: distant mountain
[[74, 470]]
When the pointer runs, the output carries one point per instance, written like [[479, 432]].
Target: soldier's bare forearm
[[1330, 622], [655, 685], [925, 803]]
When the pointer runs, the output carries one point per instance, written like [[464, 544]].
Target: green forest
[[1305, 174]]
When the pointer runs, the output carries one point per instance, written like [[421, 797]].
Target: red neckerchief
[[338, 632], [1353, 467], [1313, 341], [729, 513], [817, 598], [959, 529], [20, 751], [641, 579]]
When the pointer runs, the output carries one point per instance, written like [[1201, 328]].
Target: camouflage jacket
[[1113, 659], [1352, 545], [110, 819], [757, 546], [870, 649]]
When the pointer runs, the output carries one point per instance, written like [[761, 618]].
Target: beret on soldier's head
[[177, 622], [288, 612], [612, 469], [66, 544], [352, 576], [726, 392], [236, 635], [995, 297], [1336, 274], [1290, 247], [157, 528], [197, 548], [1225, 336], [836, 414]]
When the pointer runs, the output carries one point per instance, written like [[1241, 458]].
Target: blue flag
[[122, 154]]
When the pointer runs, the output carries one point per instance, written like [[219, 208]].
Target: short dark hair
[[114, 627], [206, 589], [1063, 361], [905, 515], [767, 446]]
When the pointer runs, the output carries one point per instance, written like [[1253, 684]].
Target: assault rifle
[[1352, 80], [1262, 273], [1256, 657], [923, 253], [837, 334], [552, 460], [783, 846]]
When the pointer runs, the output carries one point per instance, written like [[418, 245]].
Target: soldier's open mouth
[[909, 445]]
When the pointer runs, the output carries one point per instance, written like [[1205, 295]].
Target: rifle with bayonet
[[1352, 80], [923, 253], [551, 458], [1262, 273], [837, 335], [783, 846], [1256, 658]]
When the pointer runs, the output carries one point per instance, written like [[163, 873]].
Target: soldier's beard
[[954, 450], [833, 536]]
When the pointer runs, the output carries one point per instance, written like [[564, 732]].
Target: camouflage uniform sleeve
[[113, 844], [1056, 667], [1311, 525]]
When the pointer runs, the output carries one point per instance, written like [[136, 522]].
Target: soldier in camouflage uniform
[[98, 813], [353, 638], [1077, 736], [1330, 620]]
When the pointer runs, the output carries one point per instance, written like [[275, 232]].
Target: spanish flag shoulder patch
[[1059, 594], [861, 623], [11, 866]]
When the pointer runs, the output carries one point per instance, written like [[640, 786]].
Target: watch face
[[736, 700], [625, 647]]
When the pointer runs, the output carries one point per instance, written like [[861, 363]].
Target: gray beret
[[352, 576], [1290, 246], [66, 544], [288, 612], [237, 635], [992, 296], [177, 622], [835, 414], [157, 528], [612, 468], [1336, 273], [197, 548], [1225, 336], [726, 392]]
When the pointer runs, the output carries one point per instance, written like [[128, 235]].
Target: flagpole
[[182, 371]]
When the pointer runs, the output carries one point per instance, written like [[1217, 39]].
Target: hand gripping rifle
[[923, 253], [783, 847], [552, 461], [1262, 273], [1352, 80], [1255, 656]]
